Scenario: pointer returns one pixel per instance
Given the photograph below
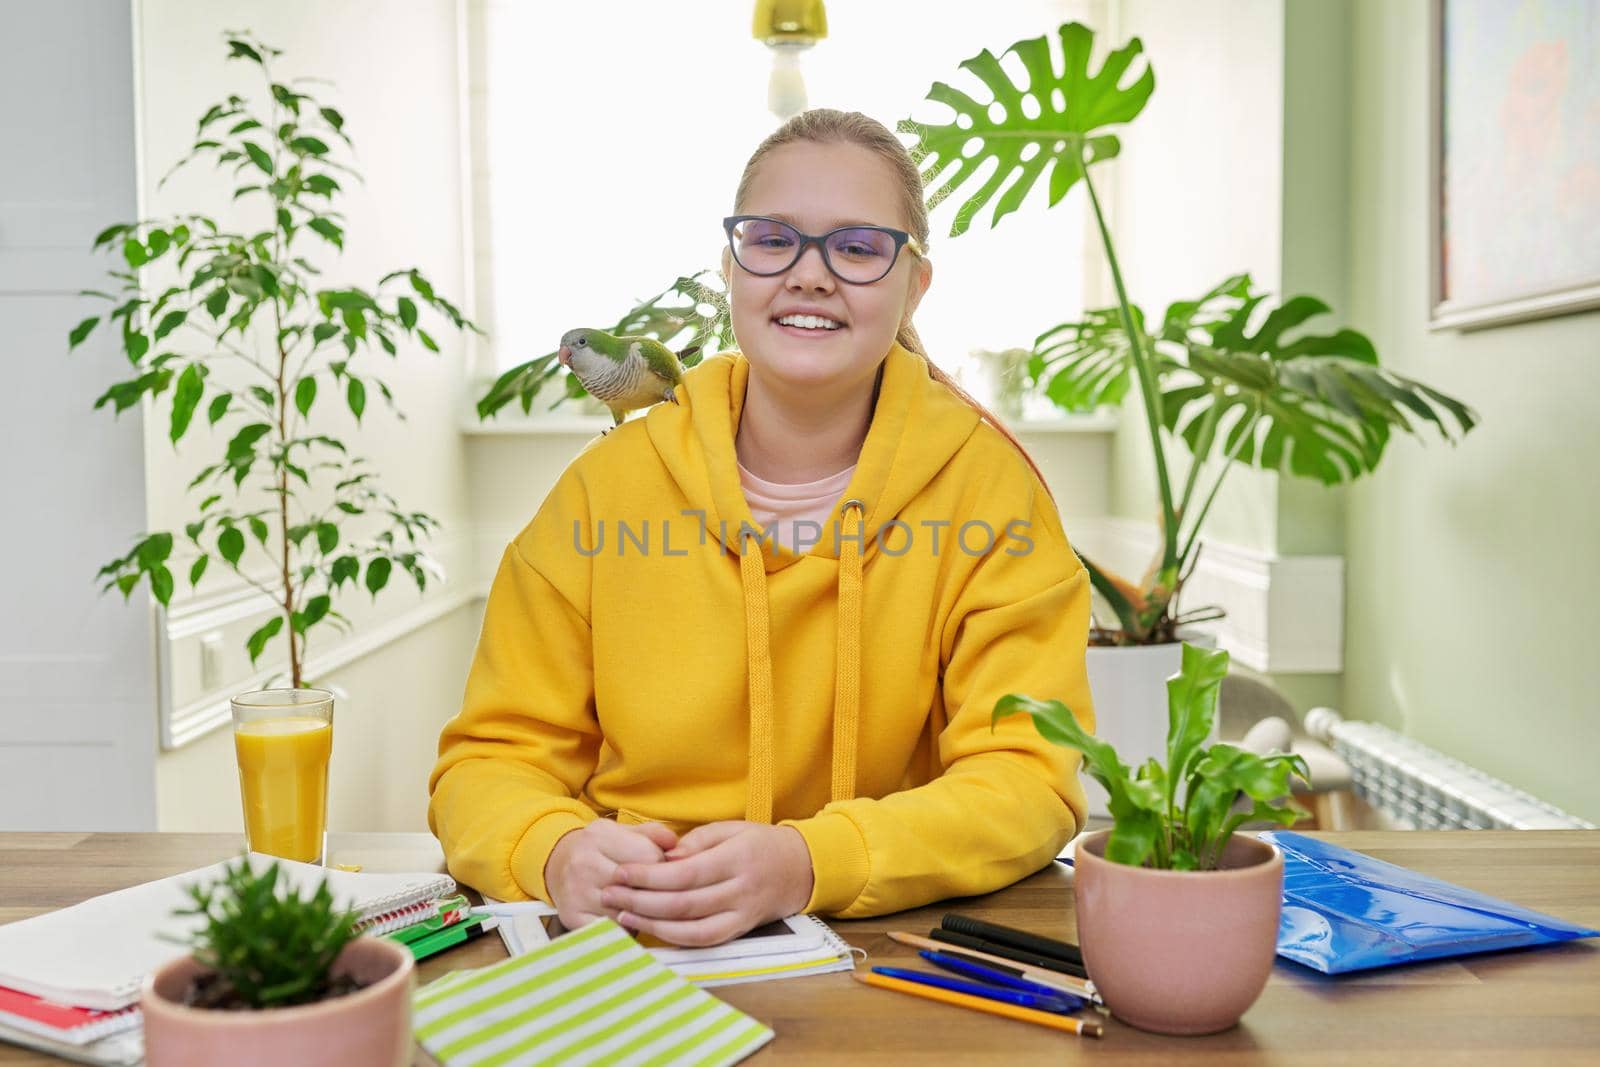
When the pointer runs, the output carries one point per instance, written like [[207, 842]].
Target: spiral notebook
[[61, 1022], [95, 954]]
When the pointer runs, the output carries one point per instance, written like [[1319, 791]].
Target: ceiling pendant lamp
[[788, 27]]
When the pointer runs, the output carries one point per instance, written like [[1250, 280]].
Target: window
[[611, 136]]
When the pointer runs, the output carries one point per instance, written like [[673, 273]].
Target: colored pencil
[[513, 908], [1054, 979], [1086, 1027]]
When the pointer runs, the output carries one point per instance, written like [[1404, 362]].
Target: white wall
[[385, 738], [1198, 197], [77, 729], [395, 76]]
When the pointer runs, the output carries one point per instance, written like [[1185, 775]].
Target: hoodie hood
[[695, 440]]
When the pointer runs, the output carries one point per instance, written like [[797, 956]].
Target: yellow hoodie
[[643, 660]]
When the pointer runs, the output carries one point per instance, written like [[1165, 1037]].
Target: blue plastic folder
[[1344, 911]]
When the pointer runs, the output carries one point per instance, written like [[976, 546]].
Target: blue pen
[[973, 969], [1057, 1003]]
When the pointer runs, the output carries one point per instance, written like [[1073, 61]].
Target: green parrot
[[624, 373]]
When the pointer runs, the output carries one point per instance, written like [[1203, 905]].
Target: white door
[[77, 688]]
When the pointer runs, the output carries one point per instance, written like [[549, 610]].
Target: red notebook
[[62, 1022]]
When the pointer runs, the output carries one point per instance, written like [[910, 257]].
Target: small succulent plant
[[266, 948]]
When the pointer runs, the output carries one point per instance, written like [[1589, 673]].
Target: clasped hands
[[709, 886]]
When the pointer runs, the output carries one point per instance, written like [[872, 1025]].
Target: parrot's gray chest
[[607, 379]]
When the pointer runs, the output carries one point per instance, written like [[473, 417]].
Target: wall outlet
[[211, 661]]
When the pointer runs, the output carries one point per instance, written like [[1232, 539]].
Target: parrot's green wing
[[658, 358]]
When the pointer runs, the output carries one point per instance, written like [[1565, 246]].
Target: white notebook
[[96, 954], [115, 1050], [788, 948]]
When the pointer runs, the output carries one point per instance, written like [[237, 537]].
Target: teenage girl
[[742, 662]]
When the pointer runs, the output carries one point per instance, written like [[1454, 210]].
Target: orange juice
[[283, 778]]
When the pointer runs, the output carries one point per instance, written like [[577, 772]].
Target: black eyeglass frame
[[902, 239]]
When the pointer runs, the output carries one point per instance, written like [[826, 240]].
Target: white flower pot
[[1129, 686]]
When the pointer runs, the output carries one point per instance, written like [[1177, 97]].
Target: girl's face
[[816, 188]]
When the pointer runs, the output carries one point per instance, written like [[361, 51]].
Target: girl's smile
[[804, 326]]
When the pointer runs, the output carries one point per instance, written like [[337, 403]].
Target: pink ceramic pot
[[1179, 952], [368, 1028]]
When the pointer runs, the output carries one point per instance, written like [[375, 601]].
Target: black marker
[[1019, 939], [1049, 963]]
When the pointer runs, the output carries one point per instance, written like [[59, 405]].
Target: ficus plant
[[268, 947], [245, 335], [1229, 377], [1178, 815]]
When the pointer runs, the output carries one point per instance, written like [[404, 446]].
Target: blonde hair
[[827, 126]]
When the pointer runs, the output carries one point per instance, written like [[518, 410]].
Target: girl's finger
[[703, 837], [625, 846], [681, 906], [697, 933], [660, 836], [707, 868]]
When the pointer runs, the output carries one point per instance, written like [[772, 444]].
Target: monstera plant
[[1230, 377]]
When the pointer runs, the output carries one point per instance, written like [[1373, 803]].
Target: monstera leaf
[[1053, 122], [1317, 407], [689, 316], [1087, 363]]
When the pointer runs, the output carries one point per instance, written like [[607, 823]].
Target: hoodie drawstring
[[758, 802], [847, 684]]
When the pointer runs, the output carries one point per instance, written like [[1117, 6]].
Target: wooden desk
[[1537, 1006]]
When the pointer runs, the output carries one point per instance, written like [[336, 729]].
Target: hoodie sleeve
[[511, 764], [1007, 800]]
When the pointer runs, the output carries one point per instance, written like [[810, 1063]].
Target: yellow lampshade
[[785, 21]]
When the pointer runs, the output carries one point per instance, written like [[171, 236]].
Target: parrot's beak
[[564, 356]]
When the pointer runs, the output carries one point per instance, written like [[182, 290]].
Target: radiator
[[1423, 789]]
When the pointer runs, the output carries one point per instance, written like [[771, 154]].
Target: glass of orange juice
[[282, 738]]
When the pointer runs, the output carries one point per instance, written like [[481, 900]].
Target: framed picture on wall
[[1515, 192]]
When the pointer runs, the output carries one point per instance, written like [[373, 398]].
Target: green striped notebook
[[591, 997]]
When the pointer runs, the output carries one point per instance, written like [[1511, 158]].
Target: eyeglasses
[[859, 255]]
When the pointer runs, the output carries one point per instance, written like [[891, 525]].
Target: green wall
[[1472, 579], [1469, 571]]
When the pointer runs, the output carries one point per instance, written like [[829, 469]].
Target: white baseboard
[[1285, 613]]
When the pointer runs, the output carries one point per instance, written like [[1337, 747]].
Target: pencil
[[509, 909], [1088, 1028], [1055, 979]]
